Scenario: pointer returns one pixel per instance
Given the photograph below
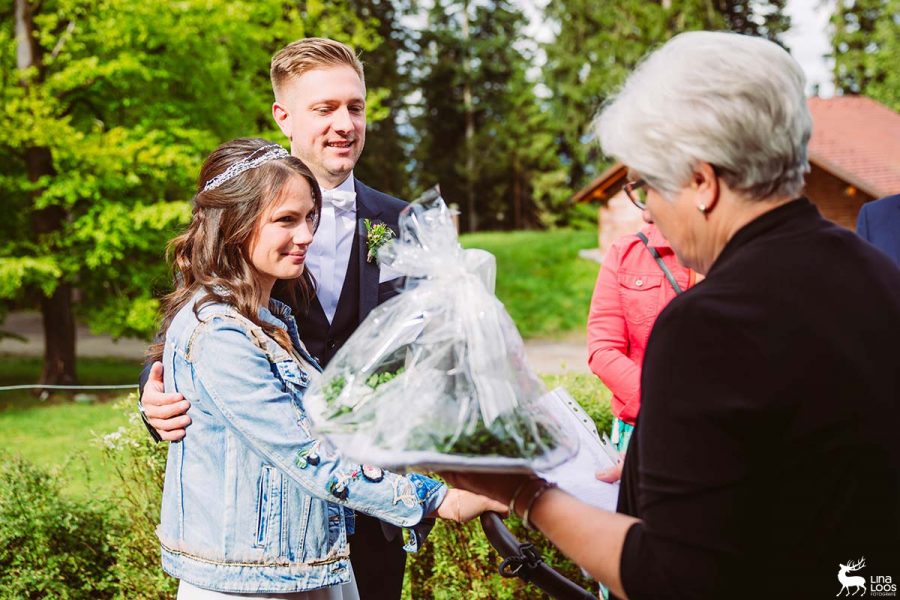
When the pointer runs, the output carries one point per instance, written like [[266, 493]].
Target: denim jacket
[[253, 501]]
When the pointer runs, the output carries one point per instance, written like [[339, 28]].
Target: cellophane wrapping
[[436, 377]]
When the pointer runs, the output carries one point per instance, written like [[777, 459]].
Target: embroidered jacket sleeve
[[608, 338], [264, 409]]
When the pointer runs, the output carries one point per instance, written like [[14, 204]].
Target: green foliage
[[55, 544], [599, 43], [481, 130], [866, 45], [457, 561], [139, 465], [109, 107], [544, 285], [51, 546]]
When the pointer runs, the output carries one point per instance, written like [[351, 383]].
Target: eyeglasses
[[637, 193]]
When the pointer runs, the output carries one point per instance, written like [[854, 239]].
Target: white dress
[[186, 591]]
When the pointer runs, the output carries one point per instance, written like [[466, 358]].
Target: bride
[[253, 502]]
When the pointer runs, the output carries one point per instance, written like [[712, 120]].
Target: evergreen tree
[[475, 104], [598, 43], [866, 46], [385, 162]]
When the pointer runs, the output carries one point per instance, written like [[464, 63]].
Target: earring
[[702, 208]]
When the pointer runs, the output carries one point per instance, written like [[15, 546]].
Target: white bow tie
[[341, 200]]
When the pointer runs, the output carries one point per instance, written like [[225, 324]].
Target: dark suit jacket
[[375, 206], [879, 224], [361, 291]]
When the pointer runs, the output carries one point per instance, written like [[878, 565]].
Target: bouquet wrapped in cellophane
[[436, 377]]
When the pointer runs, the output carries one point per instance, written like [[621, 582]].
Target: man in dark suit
[[879, 224], [320, 99]]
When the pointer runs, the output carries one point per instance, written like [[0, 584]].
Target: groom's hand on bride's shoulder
[[164, 412]]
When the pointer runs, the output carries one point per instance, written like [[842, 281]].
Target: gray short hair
[[731, 100]]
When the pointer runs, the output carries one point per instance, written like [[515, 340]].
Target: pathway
[[545, 356]]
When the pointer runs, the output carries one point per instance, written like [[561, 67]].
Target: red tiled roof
[[854, 138], [858, 140]]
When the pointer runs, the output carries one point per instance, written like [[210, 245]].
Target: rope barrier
[[8, 388]]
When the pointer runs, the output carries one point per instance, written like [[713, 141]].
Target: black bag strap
[[660, 262]]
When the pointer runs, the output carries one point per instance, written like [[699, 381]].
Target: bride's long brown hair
[[211, 255]]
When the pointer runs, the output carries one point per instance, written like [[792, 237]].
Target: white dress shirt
[[329, 253]]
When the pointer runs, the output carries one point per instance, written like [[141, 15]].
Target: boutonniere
[[377, 235]]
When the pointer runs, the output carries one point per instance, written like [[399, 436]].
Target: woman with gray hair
[[765, 456]]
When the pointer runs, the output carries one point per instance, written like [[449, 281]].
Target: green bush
[[51, 546], [56, 545], [140, 467]]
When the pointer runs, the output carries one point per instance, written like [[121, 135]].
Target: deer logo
[[852, 581]]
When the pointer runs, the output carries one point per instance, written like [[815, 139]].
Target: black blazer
[[375, 206], [361, 291]]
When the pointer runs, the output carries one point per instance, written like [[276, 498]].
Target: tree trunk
[[59, 337], [59, 321], [471, 216], [517, 194]]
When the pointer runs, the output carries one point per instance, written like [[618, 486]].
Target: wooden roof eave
[[604, 186]]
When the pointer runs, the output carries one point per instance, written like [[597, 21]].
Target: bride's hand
[[462, 506]]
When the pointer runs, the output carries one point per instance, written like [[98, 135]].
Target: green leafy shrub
[[140, 467], [51, 546]]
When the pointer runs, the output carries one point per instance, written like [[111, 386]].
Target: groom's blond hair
[[308, 54]]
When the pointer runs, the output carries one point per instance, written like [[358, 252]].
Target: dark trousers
[[377, 563]]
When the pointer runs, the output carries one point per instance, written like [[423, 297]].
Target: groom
[[320, 105]]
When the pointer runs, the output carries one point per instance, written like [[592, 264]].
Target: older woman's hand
[[497, 486]]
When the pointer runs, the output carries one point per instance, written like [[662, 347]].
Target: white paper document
[[576, 476]]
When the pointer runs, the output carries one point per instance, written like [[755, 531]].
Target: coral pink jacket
[[631, 291]]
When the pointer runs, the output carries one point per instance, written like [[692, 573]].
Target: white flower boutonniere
[[377, 235]]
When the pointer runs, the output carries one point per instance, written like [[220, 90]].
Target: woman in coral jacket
[[631, 291]]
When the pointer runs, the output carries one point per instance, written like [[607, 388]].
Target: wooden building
[[854, 155]]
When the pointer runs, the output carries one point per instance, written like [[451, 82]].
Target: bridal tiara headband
[[270, 152]]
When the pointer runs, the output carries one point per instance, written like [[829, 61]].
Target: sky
[[809, 41], [808, 38]]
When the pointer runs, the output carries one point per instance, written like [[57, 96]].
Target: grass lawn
[[61, 435], [17, 370], [58, 431], [544, 284]]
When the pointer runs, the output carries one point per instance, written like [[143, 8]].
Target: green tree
[[385, 162], [475, 110], [866, 46], [598, 43], [109, 107]]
